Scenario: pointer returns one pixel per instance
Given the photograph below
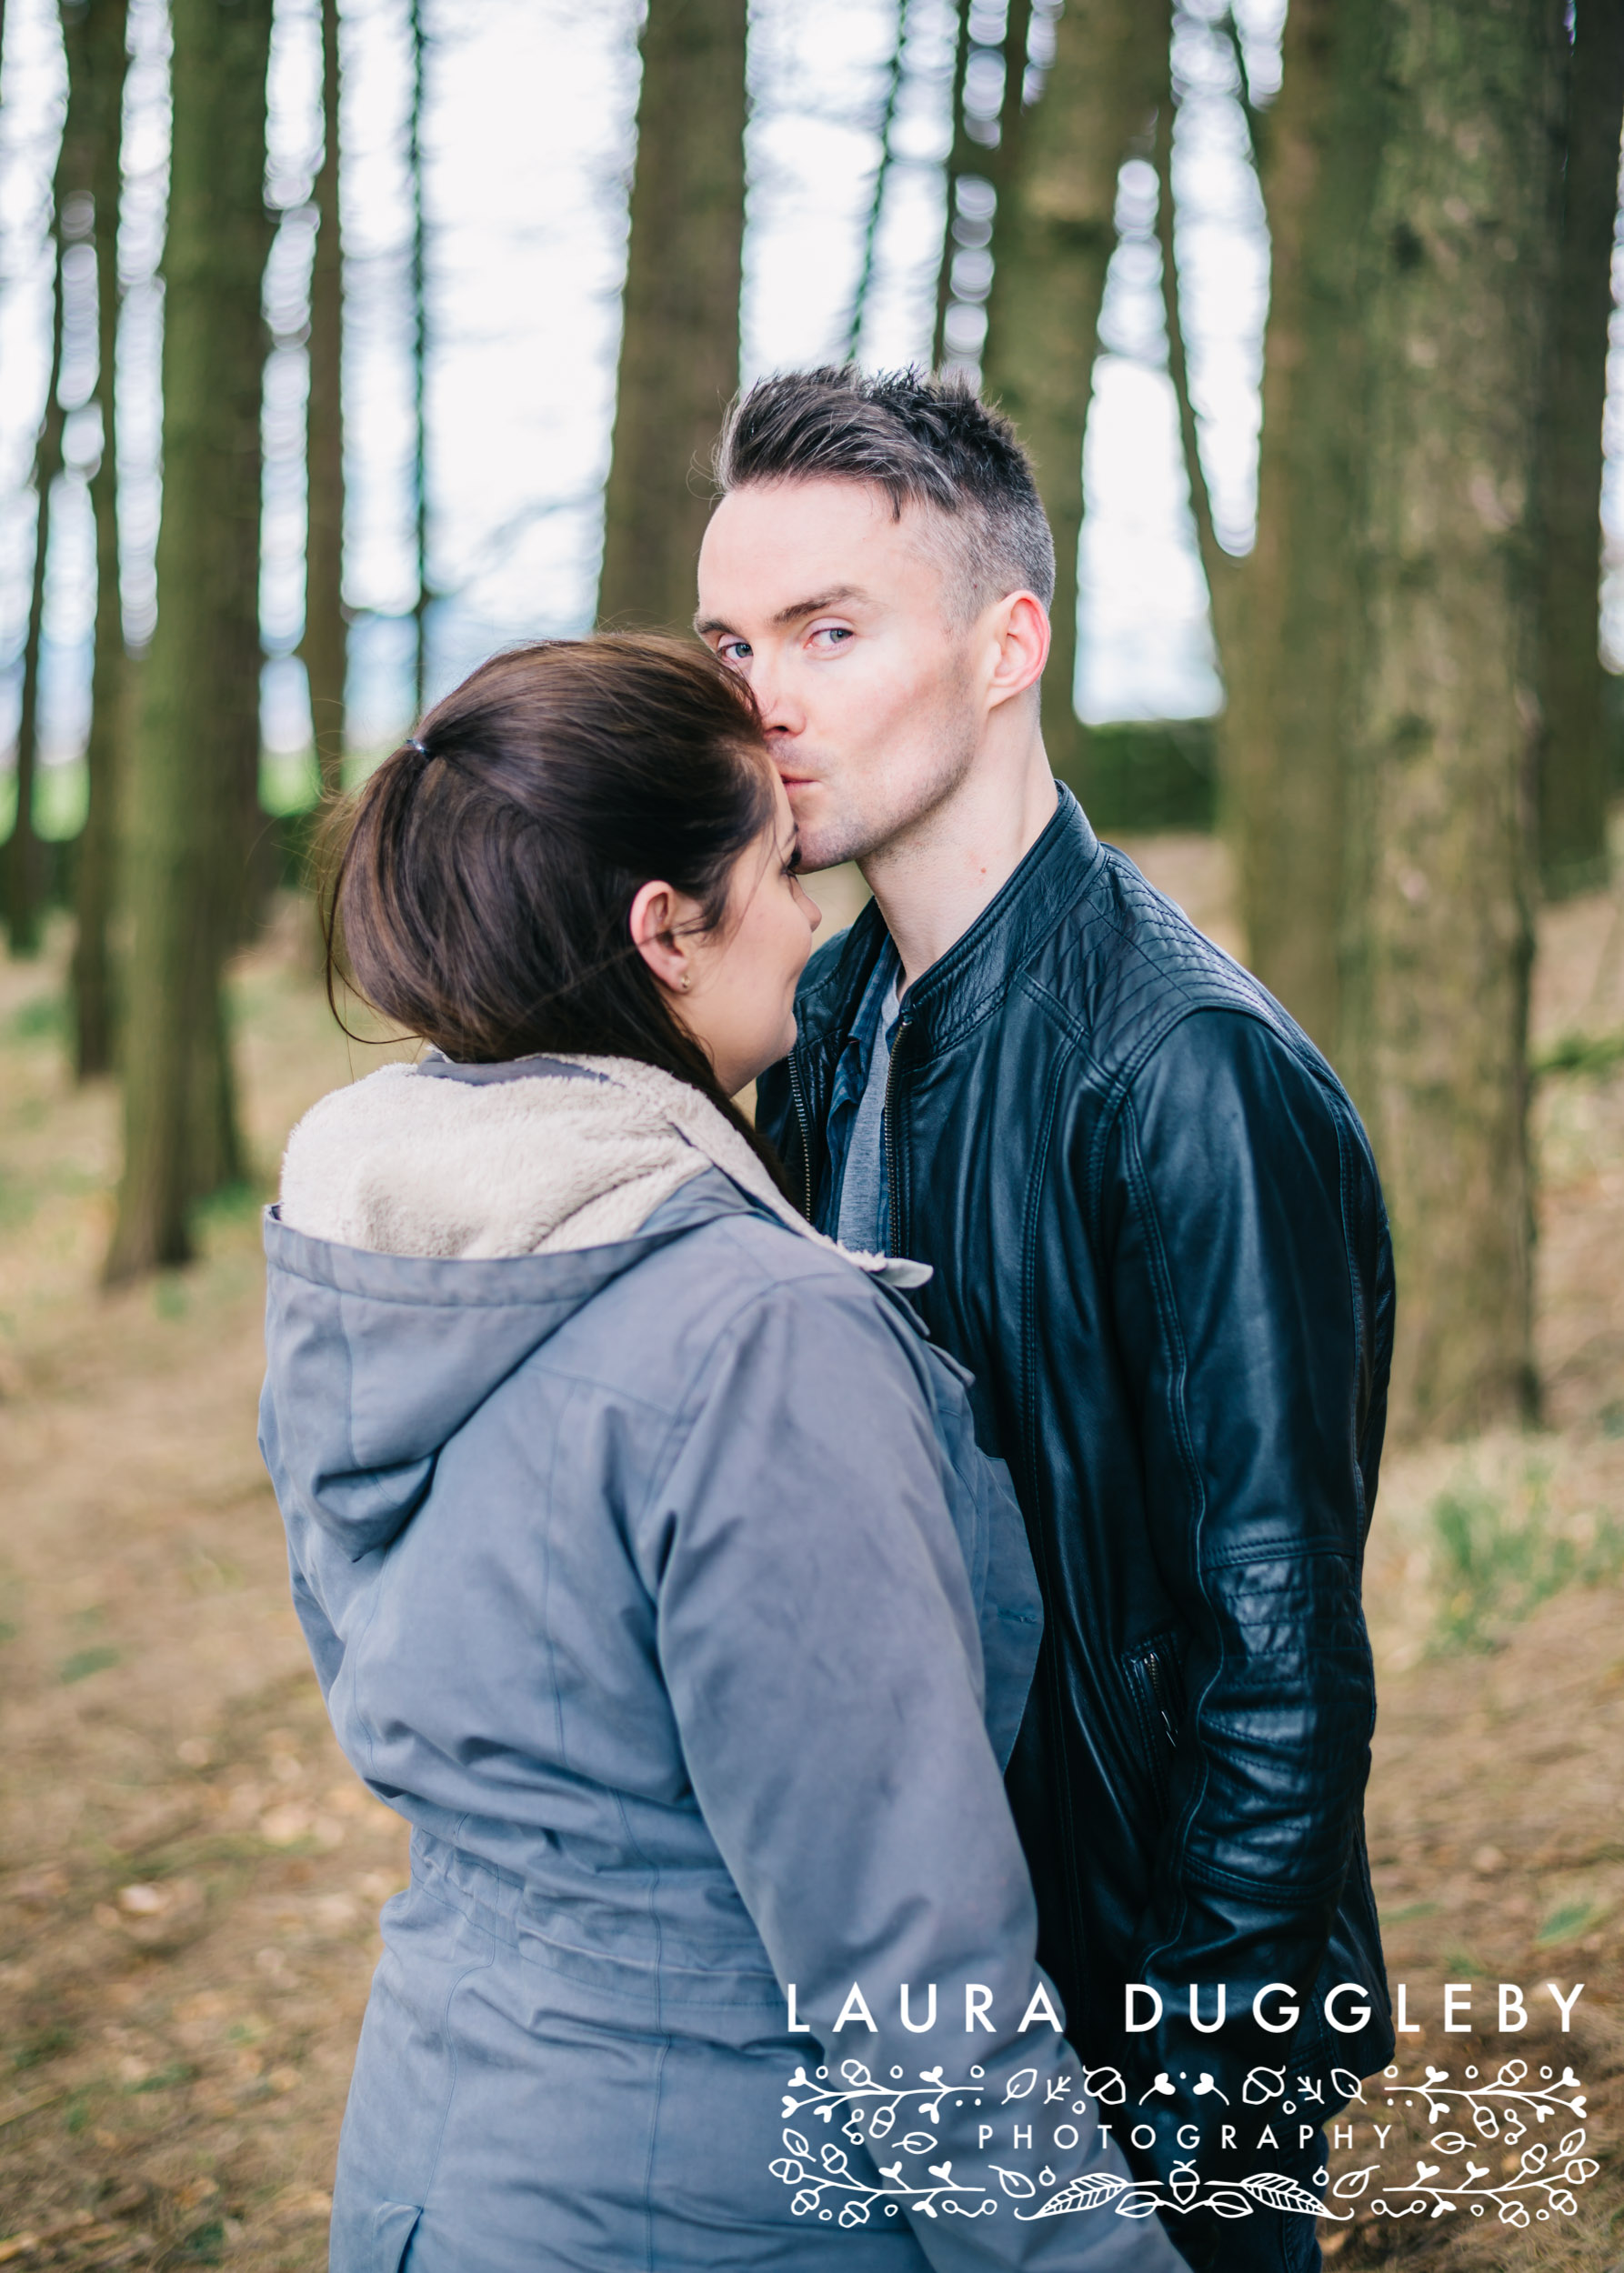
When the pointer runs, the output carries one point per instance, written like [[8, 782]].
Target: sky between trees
[[529, 130]]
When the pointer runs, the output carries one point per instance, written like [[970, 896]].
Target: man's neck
[[932, 882]]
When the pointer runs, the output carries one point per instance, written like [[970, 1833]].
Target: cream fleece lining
[[408, 1162]]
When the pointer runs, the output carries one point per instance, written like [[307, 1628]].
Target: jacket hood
[[540, 1155], [438, 1224], [374, 1361]]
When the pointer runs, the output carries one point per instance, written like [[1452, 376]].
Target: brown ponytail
[[482, 877]]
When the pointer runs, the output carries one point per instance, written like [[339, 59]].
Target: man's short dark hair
[[929, 442]]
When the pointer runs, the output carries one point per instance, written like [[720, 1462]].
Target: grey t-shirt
[[865, 1200]]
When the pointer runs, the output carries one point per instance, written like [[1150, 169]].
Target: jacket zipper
[[893, 1199], [798, 1098], [1159, 1695]]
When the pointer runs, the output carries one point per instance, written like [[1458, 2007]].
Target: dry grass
[[192, 1874]]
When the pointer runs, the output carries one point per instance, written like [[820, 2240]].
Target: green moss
[[84, 1662], [1592, 1054], [1497, 1562], [43, 2044], [168, 2078], [1568, 1922], [41, 1019]]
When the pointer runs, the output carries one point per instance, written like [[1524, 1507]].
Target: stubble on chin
[[897, 814], [831, 843]]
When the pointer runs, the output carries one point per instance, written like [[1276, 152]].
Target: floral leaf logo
[[1082, 2194], [1276, 2192]]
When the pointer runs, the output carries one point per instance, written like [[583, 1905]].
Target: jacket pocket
[[396, 2223], [1155, 1677]]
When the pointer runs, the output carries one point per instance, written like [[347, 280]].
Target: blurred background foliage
[[340, 342]]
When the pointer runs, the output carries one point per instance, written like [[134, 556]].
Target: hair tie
[[412, 743]]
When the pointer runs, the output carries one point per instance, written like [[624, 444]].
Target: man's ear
[[1021, 626], [656, 914]]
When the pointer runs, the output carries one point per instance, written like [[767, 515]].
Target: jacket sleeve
[[1240, 1206], [819, 1640]]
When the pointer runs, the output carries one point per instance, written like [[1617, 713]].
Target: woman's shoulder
[[725, 1270], [736, 1254]]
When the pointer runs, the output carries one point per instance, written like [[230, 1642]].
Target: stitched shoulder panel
[[1126, 966]]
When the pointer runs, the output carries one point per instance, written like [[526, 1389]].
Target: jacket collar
[[975, 973]]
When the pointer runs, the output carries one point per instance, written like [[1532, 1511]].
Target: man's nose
[[781, 713]]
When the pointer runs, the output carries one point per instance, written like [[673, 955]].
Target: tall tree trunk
[[876, 196], [679, 349], [24, 863], [94, 37], [1457, 294], [324, 643], [419, 366], [962, 158], [1573, 757], [1287, 611], [985, 148], [1053, 240], [198, 737]]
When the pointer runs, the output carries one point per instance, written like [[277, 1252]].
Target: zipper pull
[[1153, 1667]]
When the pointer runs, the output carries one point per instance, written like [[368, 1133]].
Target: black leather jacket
[[1159, 1243]]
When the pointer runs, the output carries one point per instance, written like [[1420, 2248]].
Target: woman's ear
[[657, 916]]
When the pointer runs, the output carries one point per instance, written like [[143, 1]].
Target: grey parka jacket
[[661, 1588]]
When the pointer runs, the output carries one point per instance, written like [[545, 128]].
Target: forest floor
[[191, 1875]]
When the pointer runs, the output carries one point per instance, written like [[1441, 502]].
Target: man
[[1157, 1241]]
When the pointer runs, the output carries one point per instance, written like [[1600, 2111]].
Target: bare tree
[[419, 361], [1456, 290], [1573, 757], [1054, 237], [23, 865], [876, 196], [324, 647], [196, 748], [94, 34], [961, 160], [679, 349], [1286, 614]]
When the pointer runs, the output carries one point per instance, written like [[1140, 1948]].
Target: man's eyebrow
[[816, 605], [705, 624]]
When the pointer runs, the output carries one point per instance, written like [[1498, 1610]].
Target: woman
[[641, 1544]]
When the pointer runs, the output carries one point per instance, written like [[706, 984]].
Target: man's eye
[[733, 650], [837, 635]]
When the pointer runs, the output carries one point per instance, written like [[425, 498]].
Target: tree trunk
[[420, 369], [1456, 294], [1287, 611], [1217, 566], [1055, 237], [324, 643], [94, 39], [876, 196], [24, 863], [1573, 756], [962, 158], [679, 349], [198, 737]]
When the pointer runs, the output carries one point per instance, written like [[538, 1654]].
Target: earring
[[686, 982]]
